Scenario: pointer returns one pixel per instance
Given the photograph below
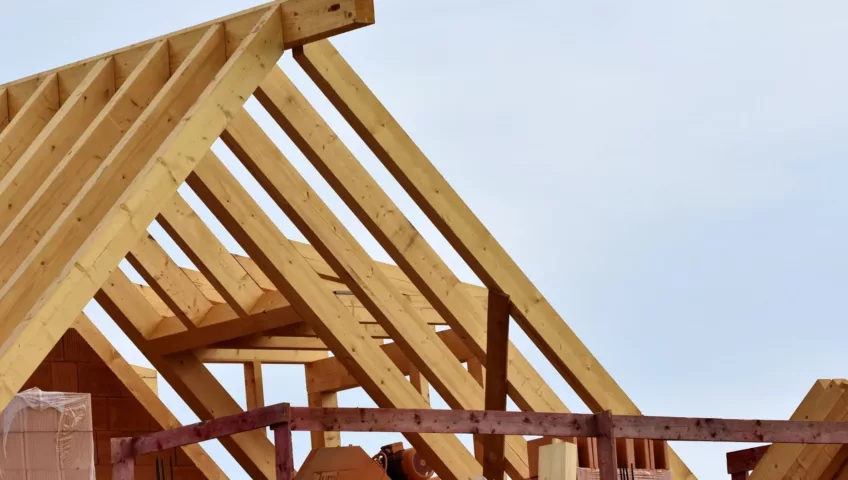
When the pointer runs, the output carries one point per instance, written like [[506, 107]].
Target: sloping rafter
[[94, 152]]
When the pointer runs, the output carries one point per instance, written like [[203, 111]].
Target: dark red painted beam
[[745, 460], [497, 365], [566, 425]]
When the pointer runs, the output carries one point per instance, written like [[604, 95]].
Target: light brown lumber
[[201, 246], [419, 382], [814, 461], [88, 261], [779, 458], [143, 392], [24, 126], [185, 374], [101, 192], [88, 153], [253, 385], [169, 281], [33, 168], [270, 357], [4, 109], [398, 237], [303, 329], [296, 280], [303, 21], [324, 400], [357, 270], [331, 375], [271, 342], [465, 232]]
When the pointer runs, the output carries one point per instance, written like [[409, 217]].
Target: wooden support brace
[[253, 385], [606, 446], [283, 448], [497, 344]]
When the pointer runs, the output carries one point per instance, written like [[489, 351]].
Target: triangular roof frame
[[93, 152]]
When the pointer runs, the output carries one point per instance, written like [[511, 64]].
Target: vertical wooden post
[[324, 400], [478, 371], [123, 461], [253, 385], [283, 451], [606, 446], [497, 346]]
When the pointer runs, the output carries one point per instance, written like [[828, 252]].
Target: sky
[[670, 174]]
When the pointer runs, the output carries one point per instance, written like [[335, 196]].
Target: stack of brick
[[72, 366]]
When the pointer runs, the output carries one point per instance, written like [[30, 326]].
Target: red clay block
[[126, 414], [99, 413], [57, 353], [42, 378], [77, 349], [98, 380], [65, 377]]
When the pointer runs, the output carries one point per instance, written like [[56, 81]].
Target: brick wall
[[72, 366]]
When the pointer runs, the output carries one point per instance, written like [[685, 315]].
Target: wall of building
[[72, 366]]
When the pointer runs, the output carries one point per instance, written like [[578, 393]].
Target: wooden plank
[[323, 400], [396, 234], [497, 346], [296, 280], [4, 109], [253, 385], [420, 383], [331, 375], [820, 399], [745, 460], [271, 342], [28, 122], [209, 255], [466, 233], [86, 156], [283, 449], [607, 462], [558, 461], [26, 176], [275, 357], [211, 429], [79, 261], [303, 21], [352, 263], [186, 375], [97, 201], [169, 281], [143, 392]]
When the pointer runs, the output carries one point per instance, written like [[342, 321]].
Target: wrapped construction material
[[47, 436]]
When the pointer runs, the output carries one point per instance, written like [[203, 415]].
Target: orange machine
[[352, 463]]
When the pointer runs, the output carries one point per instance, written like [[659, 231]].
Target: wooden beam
[[185, 373], [464, 231], [169, 281], [331, 375], [354, 266], [142, 392], [100, 194], [497, 346], [420, 383], [303, 21], [607, 461], [271, 342], [211, 429], [283, 449], [201, 246], [296, 280], [398, 237], [123, 461], [25, 125], [253, 385], [323, 400], [478, 371], [745, 460], [819, 401], [4, 109], [23, 180], [275, 357], [81, 262], [87, 155]]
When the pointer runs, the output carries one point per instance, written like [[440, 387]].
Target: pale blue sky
[[670, 174]]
